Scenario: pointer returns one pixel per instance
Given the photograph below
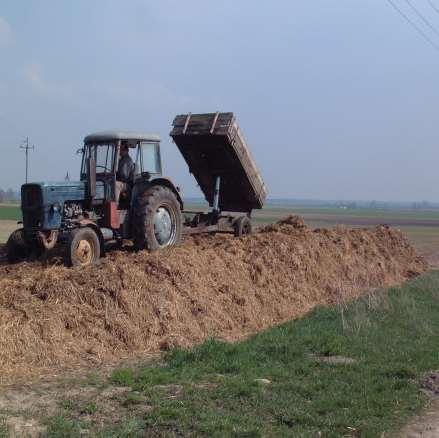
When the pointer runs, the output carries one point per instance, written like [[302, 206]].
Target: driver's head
[[123, 149]]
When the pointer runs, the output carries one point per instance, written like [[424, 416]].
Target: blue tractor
[[84, 215]]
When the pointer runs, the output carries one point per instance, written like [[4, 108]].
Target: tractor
[[84, 215]]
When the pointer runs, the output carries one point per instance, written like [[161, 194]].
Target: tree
[[9, 195]]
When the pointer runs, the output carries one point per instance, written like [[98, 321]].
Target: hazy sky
[[338, 99]]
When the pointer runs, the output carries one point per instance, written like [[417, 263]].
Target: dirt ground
[[24, 407], [426, 424], [6, 228]]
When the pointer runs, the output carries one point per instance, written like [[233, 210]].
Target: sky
[[338, 99]]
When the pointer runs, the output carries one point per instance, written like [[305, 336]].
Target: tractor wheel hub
[[163, 227], [84, 252]]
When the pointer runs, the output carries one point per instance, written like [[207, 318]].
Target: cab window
[[148, 159], [104, 156]]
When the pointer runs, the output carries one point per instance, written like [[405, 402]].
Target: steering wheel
[[103, 167]]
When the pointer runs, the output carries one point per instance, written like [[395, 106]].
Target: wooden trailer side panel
[[213, 145]]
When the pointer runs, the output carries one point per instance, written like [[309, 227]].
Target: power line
[[416, 11], [26, 148], [414, 25], [433, 6]]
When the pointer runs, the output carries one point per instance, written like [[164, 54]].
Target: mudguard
[[162, 181]]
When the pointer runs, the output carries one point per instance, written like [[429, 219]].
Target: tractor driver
[[125, 170]]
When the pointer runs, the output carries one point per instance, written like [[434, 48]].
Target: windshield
[[103, 155]]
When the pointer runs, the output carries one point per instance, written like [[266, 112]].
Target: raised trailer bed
[[218, 156]]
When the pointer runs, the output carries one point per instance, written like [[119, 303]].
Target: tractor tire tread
[[143, 214], [17, 247]]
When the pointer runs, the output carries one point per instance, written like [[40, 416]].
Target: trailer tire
[[83, 247], [242, 226], [17, 247], [157, 219]]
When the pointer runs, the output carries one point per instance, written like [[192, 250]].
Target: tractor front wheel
[[17, 247], [83, 247]]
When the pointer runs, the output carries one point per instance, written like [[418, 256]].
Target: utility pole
[[26, 148]]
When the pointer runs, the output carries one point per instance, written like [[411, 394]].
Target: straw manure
[[55, 317]]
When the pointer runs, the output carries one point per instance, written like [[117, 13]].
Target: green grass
[[129, 428], [89, 409], [62, 427], [213, 390], [10, 212], [122, 377], [9, 215], [4, 433]]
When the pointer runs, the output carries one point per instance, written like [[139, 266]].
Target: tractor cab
[[101, 159]]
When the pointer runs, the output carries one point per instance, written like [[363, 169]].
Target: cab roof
[[103, 136]]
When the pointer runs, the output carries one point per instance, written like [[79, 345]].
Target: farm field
[[421, 227], [10, 212], [9, 215], [6, 228]]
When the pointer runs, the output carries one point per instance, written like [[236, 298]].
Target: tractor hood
[[43, 203], [64, 188], [44, 194]]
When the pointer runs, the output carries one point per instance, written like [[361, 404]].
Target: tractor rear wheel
[[17, 247], [83, 247], [242, 226], [157, 219]]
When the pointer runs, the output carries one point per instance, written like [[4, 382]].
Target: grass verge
[[340, 371]]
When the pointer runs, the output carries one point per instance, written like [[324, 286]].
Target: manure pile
[[210, 286]]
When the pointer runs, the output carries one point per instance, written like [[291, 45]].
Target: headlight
[[56, 208]]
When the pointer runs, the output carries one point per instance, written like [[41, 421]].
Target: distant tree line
[[346, 204], [423, 205], [9, 195]]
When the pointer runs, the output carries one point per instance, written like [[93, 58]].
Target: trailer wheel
[[83, 247], [157, 219], [17, 247], [242, 226]]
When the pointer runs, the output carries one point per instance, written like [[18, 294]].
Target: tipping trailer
[[220, 160]]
